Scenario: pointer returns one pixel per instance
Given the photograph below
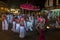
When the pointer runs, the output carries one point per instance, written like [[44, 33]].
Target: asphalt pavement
[[9, 35]]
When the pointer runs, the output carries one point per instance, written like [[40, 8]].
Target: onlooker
[[4, 22], [40, 27], [22, 28]]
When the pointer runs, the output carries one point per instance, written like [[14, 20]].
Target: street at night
[[29, 19], [30, 36], [9, 35]]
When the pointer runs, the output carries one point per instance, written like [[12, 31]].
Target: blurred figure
[[49, 16], [41, 22], [30, 24], [57, 22], [17, 25], [31, 19], [9, 20], [4, 22], [40, 27], [22, 28], [13, 24]]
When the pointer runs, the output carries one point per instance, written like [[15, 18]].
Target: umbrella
[[29, 7]]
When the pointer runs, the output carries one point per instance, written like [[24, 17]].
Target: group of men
[[20, 23]]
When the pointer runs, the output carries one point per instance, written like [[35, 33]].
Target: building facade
[[52, 3]]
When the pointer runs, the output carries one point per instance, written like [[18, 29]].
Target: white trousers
[[17, 28], [22, 32], [4, 25], [13, 27]]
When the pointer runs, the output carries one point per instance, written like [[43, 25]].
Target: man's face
[[16, 20]]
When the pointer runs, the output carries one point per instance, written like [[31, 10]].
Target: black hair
[[16, 17]]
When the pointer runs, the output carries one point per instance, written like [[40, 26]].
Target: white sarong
[[17, 27], [22, 32], [4, 25], [13, 27]]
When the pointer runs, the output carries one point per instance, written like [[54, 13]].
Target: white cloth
[[22, 32], [17, 27], [9, 18], [25, 24], [31, 20], [29, 26], [13, 27], [57, 24], [4, 25], [18, 17]]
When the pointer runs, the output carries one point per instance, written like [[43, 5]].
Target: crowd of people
[[22, 23]]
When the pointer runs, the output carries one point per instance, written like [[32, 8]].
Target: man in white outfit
[[13, 25], [30, 23], [22, 28], [9, 20], [29, 26], [17, 25], [4, 22]]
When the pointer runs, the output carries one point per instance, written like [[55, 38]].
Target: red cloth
[[41, 35], [39, 19], [21, 19], [46, 21], [13, 19]]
